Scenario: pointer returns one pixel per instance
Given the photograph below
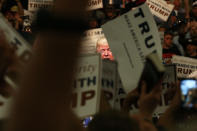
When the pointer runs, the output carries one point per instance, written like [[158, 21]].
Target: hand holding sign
[[149, 101]]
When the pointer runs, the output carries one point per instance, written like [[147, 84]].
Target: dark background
[[10, 3]]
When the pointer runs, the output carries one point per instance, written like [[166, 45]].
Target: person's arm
[[44, 98], [147, 104], [20, 8]]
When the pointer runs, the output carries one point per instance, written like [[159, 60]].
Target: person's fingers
[[158, 87]]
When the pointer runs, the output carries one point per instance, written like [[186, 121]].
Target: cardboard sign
[[166, 97], [184, 66], [23, 49], [160, 8], [34, 5], [90, 39], [94, 4], [131, 38], [108, 81], [87, 88], [120, 94]]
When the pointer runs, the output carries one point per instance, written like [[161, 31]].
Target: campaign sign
[[34, 5], [87, 86], [90, 39], [120, 94], [160, 8], [108, 81], [131, 38], [184, 66], [94, 4]]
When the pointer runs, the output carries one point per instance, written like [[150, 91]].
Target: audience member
[[193, 12], [169, 48]]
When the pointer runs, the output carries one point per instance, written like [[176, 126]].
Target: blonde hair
[[101, 41]]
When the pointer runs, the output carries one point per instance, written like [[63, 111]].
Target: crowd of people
[[44, 98], [178, 33]]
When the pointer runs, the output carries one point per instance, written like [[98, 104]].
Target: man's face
[[191, 49], [105, 51], [168, 40]]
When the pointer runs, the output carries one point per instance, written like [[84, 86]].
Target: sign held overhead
[[131, 38]]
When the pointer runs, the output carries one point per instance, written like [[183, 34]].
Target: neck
[[165, 46]]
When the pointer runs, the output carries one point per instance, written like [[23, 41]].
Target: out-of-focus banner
[[23, 49], [160, 8], [34, 5], [184, 66], [131, 38], [94, 4], [108, 81], [90, 39], [87, 86]]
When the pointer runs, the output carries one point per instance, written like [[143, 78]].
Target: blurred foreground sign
[[23, 49], [131, 38], [160, 8], [184, 66], [87, 88]]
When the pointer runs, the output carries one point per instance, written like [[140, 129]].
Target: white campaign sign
[[94, 4], [120, 94], [131, 38], [87, 88], [160, 8], [108, 82], [23, 49], [90, 39], [34, 5], [184, 66]]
